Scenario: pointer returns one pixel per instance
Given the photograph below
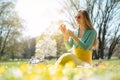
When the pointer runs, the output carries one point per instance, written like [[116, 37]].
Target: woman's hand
[[63, 28], [71, 34], [64, 31]]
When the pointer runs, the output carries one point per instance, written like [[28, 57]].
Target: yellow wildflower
[[2, 69]]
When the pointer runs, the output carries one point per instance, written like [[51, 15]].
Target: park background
[[31, 28]]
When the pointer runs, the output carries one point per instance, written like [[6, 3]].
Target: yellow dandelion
[[24, 67], [56, 72], [31, 76], [106, 63], [102, 66], [2, 69], [40, 66]]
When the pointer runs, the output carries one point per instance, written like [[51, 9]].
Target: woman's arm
[[72, 35], [88, 42], [69, 43]]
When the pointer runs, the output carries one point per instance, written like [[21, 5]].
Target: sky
[[38, 15]]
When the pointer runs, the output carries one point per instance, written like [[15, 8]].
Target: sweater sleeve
[[69, 44], [87, 44]]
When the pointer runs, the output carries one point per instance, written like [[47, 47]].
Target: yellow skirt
[[78, 57]]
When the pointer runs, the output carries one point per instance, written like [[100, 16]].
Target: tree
[[60, 44], [10, 25], [28, 47], [46, 46], [117, 50], [15, 50], [114, 42], [105, 18], [69, 9]]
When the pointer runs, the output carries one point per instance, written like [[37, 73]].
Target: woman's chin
[[78, 22]]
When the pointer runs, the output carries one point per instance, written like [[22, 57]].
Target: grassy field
[[20, 70]]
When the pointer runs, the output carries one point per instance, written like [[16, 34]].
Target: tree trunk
[[13, 56], [95, 55], [57, 55], [4, 43], [110, 55], [101, 42], [113, 45]]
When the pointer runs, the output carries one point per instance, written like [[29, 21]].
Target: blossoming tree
[[46, 46]]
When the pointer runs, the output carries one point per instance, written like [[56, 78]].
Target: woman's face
[[79, 18]]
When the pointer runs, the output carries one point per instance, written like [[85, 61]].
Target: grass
[[20, 70], [13, 63], [18, 63]]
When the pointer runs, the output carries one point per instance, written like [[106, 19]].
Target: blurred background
[[30, 27]]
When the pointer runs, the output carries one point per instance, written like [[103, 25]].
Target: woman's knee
[[67, 55]]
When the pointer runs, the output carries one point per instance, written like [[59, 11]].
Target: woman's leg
[[68, 57]]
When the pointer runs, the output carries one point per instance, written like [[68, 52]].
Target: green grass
[[20, 70], [111, 61], [12, 63], [18, 63]]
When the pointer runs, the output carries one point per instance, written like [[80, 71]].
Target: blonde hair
[[88, 25]]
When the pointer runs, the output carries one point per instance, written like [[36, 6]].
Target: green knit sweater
[[85, 42]]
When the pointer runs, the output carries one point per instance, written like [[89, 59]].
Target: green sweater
[[85, 42]]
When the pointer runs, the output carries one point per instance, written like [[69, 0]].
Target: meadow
[[21, 70]]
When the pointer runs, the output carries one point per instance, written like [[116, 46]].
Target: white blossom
[[46, 46]]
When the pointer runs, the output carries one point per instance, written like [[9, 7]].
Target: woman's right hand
[[63, 28], [64, 31]]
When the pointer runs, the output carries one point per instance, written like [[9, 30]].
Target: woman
[[83, 39]]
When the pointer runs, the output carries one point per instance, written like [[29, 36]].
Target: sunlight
[[38, 14]]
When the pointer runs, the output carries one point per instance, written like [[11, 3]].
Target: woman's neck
[[82, 28], [81, 31]]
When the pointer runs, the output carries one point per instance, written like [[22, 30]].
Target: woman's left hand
[[71, 34]]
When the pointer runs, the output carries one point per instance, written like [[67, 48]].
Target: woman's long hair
[[88, 25]]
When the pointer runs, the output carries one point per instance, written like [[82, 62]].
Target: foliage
[[11, 26], [28, 47], [60, 44]]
